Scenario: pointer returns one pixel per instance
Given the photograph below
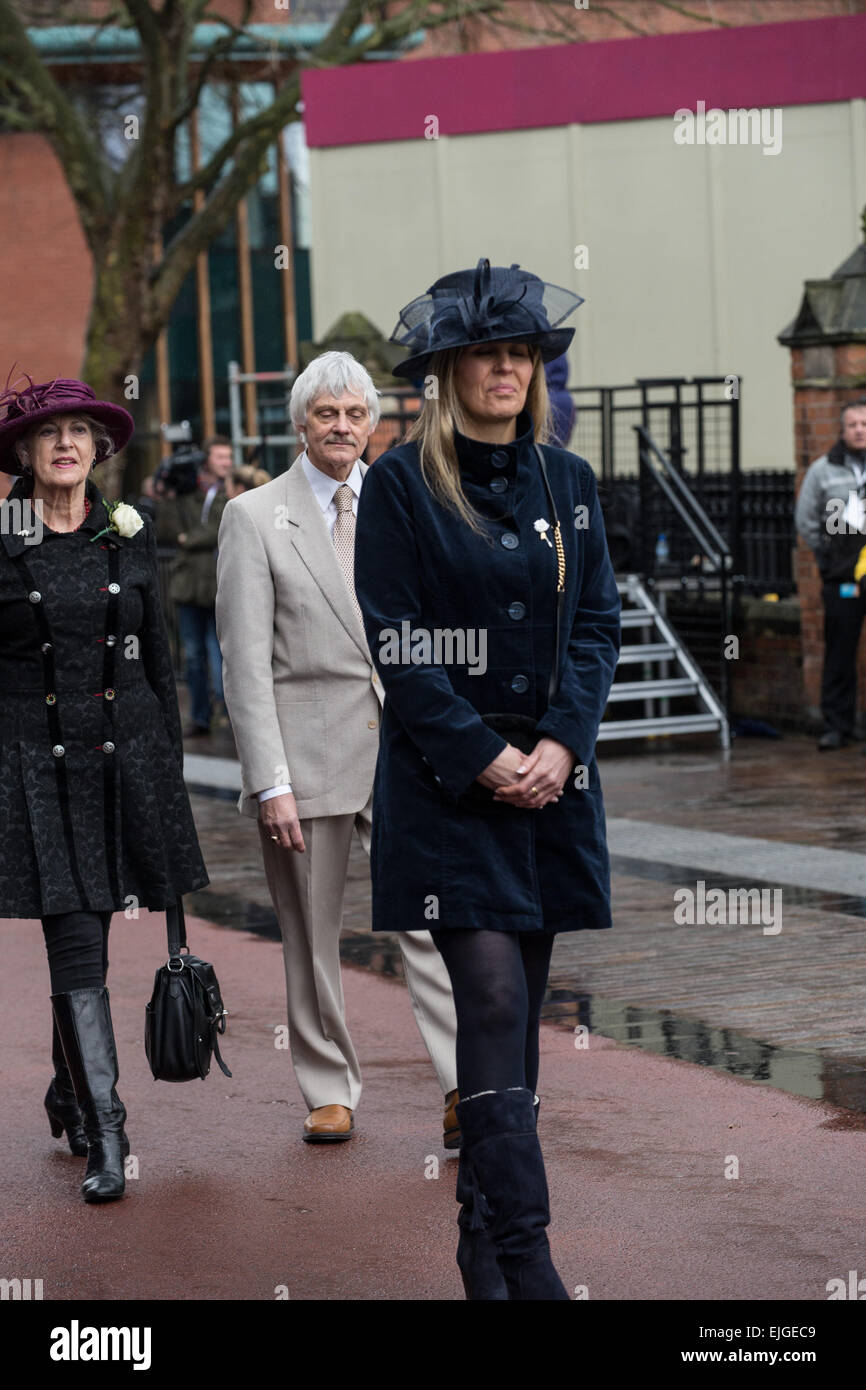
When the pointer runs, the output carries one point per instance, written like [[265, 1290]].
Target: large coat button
[[114, 588], [110, 640], [517, 611], [499, 458], [498, 484], [34, 596], [46, 647], [58, 750], [520, 685], [509, 540], [108, 747]]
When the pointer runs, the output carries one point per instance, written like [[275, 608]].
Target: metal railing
[[699, 549]]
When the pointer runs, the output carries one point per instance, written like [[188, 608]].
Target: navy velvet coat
[[435, 864]]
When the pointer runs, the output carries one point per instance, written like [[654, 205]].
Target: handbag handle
[[175, 927], [553, 684]]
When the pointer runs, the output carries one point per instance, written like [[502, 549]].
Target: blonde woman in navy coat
[[489, 831]]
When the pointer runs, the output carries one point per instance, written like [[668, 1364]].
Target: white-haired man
[[304, 701]]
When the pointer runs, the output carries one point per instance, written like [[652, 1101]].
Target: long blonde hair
[[441, 415]]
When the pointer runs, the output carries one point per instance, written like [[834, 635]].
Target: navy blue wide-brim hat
[[485, 305]]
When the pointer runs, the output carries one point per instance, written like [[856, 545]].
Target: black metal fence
[[697, 424]]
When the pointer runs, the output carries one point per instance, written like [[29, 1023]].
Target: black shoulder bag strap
[[553, 685], [176, 928]]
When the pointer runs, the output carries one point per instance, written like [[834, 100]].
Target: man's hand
[[279, 816], [546, 769]]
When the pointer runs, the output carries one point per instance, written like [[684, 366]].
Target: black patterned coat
[[93, 807]]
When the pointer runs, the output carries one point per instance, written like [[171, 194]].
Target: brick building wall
[[46, 274]]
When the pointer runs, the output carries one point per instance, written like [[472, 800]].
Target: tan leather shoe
[[328, 1124], [451, 1136]]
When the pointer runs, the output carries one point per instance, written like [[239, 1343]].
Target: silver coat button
[[110, 640], [108, 747], [58, 750], [46, 647], [114, 588], [34, 596]]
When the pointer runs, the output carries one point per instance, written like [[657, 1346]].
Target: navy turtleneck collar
[[478, 458]]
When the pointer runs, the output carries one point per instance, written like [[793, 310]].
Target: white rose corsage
[[123, 519], [542, 527]]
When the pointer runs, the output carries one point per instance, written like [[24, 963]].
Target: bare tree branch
[[217, 50], [710, 18], [204, 226]]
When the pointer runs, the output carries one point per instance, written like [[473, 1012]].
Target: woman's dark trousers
[[499, 979], [82, 1098]]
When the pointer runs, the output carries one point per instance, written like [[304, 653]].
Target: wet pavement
[[686, 1080], [785, 1009]]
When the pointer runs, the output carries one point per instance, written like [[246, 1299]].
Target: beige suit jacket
[[301, 690]]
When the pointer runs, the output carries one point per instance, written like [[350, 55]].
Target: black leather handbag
[[185, 1016], [520, 729]]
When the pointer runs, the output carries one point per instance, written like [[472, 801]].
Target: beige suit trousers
[[307, 891]]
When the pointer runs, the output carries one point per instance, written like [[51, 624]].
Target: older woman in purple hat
[[95, 813]]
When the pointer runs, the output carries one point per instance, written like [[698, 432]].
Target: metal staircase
[[658, 674]]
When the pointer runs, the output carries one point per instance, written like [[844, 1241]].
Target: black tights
[[77, 946], [498, 979]]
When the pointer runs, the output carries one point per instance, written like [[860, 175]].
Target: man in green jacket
[[190, 521]]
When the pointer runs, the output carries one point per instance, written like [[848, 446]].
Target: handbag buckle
[[180, 968]]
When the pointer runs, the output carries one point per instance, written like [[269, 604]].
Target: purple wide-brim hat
[[63, 396]]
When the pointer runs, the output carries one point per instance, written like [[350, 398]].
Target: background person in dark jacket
[[465, 548], [95, 814], [831, 518], [191, 520], [562, 408]]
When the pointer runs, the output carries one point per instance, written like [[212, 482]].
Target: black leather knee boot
[[60, 1103], [84, 1023], [501, 1144]]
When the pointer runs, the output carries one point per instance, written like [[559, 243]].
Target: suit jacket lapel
[[309, 535]]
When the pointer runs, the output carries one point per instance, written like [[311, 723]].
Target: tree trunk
[[119, 334]]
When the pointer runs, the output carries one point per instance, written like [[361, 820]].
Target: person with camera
[[190, 487], [96, 818]]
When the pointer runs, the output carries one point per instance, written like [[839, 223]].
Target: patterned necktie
[[344, 542]]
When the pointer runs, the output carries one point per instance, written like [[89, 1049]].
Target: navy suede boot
[[483, 1280], [501, 1145]]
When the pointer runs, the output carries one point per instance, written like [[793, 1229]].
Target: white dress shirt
[[324, 490]]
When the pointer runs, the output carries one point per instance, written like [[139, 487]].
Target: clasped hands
[[525, 780], [529, 780]]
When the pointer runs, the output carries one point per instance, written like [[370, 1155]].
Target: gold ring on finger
[[533, 791]]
